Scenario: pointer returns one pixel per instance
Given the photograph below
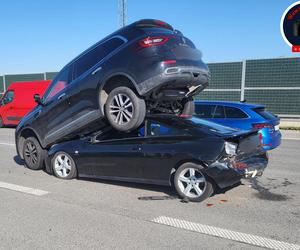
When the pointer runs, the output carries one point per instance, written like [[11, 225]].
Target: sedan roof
[[231, 103]]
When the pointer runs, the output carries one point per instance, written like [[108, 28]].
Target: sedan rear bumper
[[227, 172]]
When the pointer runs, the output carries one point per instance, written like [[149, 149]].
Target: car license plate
[[276, 127]]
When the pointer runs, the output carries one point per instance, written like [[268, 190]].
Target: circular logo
[[290, 26]]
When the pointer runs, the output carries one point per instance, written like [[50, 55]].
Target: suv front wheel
[[124, 110], [33, 154]]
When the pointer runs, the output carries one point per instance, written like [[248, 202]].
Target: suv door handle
[[61, 96], [96, 70]]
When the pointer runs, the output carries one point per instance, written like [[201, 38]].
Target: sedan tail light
[[154, 40], [262, 125]]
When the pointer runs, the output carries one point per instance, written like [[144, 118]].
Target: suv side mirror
[[37, 99]]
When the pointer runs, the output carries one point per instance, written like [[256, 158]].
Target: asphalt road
[[81, 214]]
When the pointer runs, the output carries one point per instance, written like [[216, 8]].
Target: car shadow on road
[[168, 192]]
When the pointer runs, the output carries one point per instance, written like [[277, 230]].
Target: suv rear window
[[150, 23], [95, 55], [265, 114]]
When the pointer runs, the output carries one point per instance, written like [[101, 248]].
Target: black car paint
[[154, 159], [77, 110]]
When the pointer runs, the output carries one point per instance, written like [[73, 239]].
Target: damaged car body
[[191, 154], [147, 67]]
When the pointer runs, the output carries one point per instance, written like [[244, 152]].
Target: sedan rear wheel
[[64, 166], [191, 183]]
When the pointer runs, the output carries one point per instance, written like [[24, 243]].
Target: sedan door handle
[[137, 148], [61, 96], [96, 70]]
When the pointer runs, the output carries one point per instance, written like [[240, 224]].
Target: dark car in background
[[145, 67], [192, 154], [243, 116]]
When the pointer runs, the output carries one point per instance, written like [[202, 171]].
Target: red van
[[18, 100]]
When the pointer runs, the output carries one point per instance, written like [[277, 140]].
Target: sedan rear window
[[265, 114], [232, 112]]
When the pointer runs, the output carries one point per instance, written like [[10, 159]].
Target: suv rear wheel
[[125, 110]]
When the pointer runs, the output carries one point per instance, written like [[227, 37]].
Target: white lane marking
[[226, 234], [296, 139], [22, 189], [7, 144]]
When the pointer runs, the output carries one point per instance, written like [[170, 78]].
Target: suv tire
[[33, 154], [124, 110]]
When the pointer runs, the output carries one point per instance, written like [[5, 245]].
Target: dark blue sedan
[[243, 116]]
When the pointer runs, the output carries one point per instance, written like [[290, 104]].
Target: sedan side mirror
[[38, 99]]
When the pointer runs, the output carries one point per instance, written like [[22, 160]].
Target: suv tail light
[[154, 40], [262, 125]]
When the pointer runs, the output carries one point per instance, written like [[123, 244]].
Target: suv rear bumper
[[176, 77]]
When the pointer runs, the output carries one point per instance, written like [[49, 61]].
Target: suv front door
[[51, 116]]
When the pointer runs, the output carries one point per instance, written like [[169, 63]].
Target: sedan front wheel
[[191, 183], [64, 166]]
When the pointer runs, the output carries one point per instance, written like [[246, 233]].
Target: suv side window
[[8, 97], [95, 55], [158, 129], [58, 84], [232, 112]]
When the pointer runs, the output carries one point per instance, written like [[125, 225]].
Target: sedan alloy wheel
[[191, 183], [64, 166]]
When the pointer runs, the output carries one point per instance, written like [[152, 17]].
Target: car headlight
[[230, 148]]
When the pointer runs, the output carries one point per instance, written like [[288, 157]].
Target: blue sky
[[43, 35]]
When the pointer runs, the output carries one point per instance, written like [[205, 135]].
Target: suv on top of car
[[145, 67]]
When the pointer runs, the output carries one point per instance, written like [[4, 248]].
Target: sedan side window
[[204, 111], [232, 112], [8, 97], [112, 134], [218, 112], [58, 84], [159, 129]]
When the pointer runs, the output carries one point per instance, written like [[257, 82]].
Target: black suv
[[145, 67]]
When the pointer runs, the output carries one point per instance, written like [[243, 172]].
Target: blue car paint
[[270, 138]]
